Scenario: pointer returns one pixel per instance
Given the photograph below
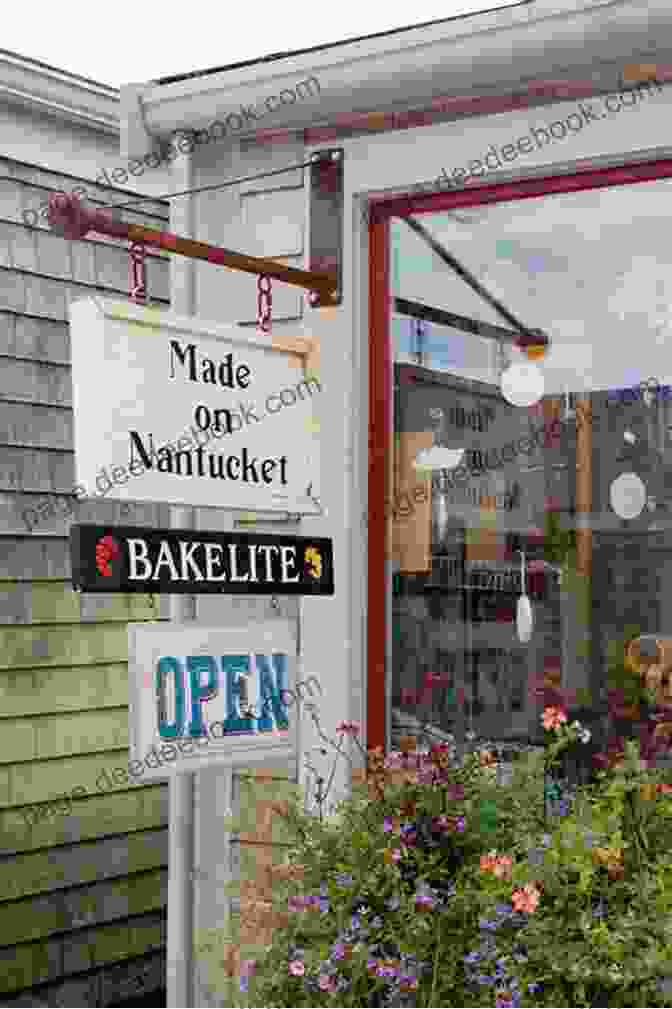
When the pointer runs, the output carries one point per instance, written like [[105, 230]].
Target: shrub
[[435, 885]]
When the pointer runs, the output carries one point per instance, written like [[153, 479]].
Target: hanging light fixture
[[524, 615]]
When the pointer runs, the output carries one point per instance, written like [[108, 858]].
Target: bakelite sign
[[138, 559]]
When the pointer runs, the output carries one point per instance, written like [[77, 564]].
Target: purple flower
[[473, 957], [386, 972], [388, 825], [338, 951]]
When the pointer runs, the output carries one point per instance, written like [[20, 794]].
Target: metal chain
[[138, 272], [264, 303]]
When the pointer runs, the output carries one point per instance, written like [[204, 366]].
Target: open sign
[[228, 688]]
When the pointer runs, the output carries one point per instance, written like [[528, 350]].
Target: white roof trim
[[549, 38], [66, 97]]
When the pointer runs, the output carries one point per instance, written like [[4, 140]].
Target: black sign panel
[[136, 559]]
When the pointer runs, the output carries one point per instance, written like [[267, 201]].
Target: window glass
[[561, 506]]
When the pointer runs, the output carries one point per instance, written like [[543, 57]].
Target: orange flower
[[486, 758], [407, 744], [526, 899], [499, 865], [612, 859]]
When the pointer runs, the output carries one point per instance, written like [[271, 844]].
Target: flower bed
[[436, 885]]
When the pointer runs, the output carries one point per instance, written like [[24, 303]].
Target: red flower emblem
[[107, 549]]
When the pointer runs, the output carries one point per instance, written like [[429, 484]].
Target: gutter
[[54, 92], [421, 64]]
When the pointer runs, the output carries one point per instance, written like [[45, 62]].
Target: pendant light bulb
[[524, 619], [524, 614]]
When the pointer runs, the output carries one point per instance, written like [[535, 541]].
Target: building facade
[[83, 878], [484, 197]]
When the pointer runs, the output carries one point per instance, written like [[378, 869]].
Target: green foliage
[[559, 543]]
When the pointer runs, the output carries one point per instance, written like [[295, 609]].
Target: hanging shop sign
[[138, 559], [182, 411], [210, 695]]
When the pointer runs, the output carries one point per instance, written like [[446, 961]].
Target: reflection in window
[[580, 483]]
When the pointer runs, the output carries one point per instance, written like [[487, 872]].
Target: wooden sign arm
[[69, 218]]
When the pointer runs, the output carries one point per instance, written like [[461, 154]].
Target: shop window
[[565, 498]]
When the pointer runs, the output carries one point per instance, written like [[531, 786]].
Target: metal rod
[[417, 310], [532, 337], [70, 219]]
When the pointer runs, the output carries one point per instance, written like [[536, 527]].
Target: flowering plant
[[437, 885]]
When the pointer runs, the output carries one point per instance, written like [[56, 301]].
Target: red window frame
[[381, 371]]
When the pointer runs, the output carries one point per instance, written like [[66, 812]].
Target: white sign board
[[210, 695], [182, 411]]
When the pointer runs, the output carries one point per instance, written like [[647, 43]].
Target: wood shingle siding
[[82, 886]]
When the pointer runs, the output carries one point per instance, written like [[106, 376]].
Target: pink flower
[[348, 728], [526, 899], [247, 967], [297, 968], [503, 867], [439, 678], [553, 717], [326, 983]]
